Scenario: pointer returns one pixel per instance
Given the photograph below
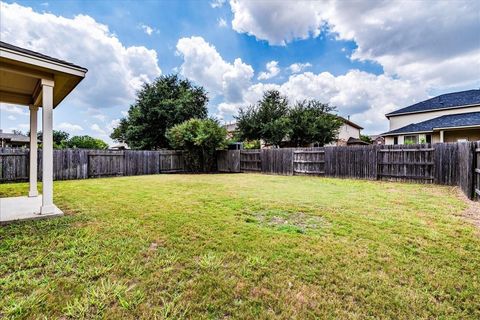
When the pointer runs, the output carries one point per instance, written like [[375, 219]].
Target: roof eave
[[42, 62], [388, 115]]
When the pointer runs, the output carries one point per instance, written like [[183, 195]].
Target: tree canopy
[[160, 105], [268, 120], [275, 122], [199, 138], [313, 122], [86, 142]]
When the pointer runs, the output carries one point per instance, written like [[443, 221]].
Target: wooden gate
[[250, 161], [309, 162], [106, 164], [416, 164]]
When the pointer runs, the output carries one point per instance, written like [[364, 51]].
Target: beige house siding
[[344, 133], [404, 120], [455, 135]]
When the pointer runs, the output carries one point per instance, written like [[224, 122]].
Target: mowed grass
[[242, 246]]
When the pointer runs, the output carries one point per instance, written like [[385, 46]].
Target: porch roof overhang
[[22, 71]]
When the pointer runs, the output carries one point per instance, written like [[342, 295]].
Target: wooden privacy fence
[[445, 163], [82, 164]]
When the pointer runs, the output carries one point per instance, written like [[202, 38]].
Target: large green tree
[[268, 120], [313, 122], [86, 142], [160, 105], [275, 122], [199, 138]]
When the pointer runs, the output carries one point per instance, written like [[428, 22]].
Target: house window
[[395, 140], [428, 138], [410, 140]]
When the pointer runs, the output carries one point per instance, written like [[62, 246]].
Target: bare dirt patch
[[287, 221]]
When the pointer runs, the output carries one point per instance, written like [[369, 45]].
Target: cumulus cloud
[[69, 127], [277, 22], [272, 71], [115, 71], [204, 65], [299, 67], [435, 42]]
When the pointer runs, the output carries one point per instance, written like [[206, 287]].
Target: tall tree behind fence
[[82, 164], [446, 164]]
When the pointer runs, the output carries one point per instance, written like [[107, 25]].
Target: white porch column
[[47, 149], [442, 137], [33, 192]]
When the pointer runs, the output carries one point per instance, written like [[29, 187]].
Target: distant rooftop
[[444, 101], [447, 121], [13, 137]]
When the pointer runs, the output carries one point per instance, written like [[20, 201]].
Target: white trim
[[41, 62], [388, 115], [459, 127], [404, 133]]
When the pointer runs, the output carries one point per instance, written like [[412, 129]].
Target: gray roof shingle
[[444, 101], [447, 121]]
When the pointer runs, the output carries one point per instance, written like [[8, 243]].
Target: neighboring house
[[348, 134], [11, 140], [449, 117]]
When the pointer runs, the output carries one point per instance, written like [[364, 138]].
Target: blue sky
[[366, 58]]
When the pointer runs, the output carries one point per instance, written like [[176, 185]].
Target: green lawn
[[242, 246]]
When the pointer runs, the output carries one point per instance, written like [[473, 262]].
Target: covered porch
[[35, 81]]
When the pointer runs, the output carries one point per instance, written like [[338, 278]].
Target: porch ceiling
[[21, 72]]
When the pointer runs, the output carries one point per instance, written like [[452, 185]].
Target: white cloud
[[148, 29], [204, 65], [433, 42], [19, 111], [272, 71], [278, 22], [69, 127], [299, 67], [11, 118], [97, 129], [217, 3], [222, 23], [115, 71]]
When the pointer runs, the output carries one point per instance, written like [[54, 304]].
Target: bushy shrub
[[199, 138]]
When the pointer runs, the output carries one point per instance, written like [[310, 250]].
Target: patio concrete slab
[[23, 208]]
